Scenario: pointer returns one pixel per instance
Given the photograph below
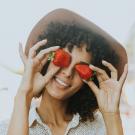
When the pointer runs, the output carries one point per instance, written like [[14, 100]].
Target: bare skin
[[57, 121], [108, 96], [32, 83], [55, 97]]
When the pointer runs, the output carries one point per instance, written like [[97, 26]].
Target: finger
[[100, 72], [42, 53], [33, 49], [22, 54], [100, 79], [50, 74], [93, 86], [43, 62], [114, 74], [124, 75]]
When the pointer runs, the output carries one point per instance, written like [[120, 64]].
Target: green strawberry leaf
[[94, 72], [51, 56]]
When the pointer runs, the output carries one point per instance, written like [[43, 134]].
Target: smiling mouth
[[60, 83]]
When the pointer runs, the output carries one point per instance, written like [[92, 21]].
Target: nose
[[67, 72]]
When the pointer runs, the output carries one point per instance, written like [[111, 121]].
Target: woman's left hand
[[109, 91]]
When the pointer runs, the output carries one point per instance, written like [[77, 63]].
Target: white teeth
[[61, 82]]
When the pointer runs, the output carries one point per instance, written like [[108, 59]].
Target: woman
[[69, 103]]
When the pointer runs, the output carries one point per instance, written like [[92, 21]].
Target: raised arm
[[32, 83], [108, 96]]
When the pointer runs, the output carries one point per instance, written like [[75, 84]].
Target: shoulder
[[3, 127]]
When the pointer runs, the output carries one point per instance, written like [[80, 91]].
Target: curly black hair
[[68, 35]]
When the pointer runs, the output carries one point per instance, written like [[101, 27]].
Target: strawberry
[[84, 71], [60, 58]]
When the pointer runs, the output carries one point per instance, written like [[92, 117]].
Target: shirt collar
[[34, 117]]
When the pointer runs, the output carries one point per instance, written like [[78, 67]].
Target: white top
[[75, 126]]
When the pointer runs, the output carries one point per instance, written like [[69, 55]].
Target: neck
[[53, 111]]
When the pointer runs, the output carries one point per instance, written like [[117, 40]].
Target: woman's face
[[67, 81]]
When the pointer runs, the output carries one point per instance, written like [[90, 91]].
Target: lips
[[61, 83]]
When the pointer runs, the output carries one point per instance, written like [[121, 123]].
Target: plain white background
[[17, 18]]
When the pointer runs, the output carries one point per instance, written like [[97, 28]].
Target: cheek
[[77, 83], [77, 79]]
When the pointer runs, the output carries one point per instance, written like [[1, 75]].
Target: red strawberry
[[84, 71], [61, 58]]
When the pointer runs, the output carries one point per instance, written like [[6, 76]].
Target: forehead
[[79, 54]]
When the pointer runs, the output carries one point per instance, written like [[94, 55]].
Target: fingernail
[[45, 40], [91, 66], [84, 81], [103, 61], [57, 46]]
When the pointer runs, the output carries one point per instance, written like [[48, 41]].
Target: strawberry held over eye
[[60, 58], [84, 71]]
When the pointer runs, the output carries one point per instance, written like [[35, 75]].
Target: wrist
[[111, 116], [110, 113], [113, 123], [23, 97]]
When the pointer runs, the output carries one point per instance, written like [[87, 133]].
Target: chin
[[56, 96]]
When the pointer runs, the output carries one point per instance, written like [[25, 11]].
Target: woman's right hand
[[33, 81]]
